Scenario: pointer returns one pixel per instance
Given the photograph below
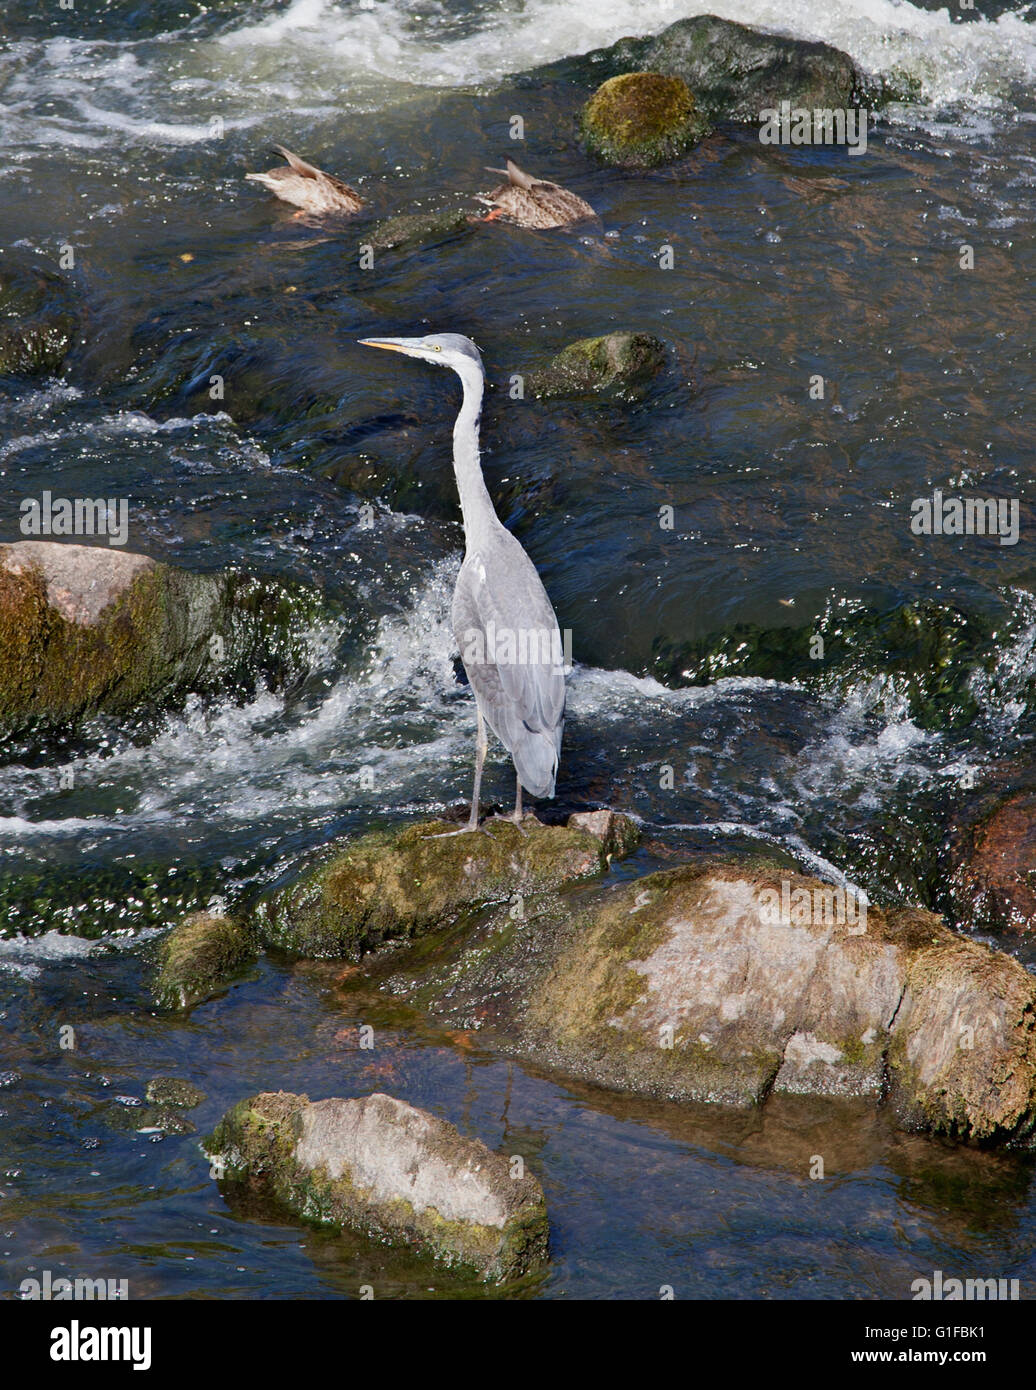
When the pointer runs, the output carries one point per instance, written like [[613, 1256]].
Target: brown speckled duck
[[307, 187], [534, 202]]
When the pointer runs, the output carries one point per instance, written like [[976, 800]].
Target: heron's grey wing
[[523, 698]]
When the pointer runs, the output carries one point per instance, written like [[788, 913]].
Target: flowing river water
[[127, 130]]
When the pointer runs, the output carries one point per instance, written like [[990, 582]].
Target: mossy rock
[[91, 629], [620, 364], [642, 119], [396, 884], [417, 229], [199, 956], [37, 318], [962, 1054], [390, 1171]]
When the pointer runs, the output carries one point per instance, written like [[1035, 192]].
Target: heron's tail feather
[[536, 762]]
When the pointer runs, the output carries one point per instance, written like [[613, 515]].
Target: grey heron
[[503, 621]]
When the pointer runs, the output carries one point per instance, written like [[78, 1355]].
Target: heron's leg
[[481, 744], [515, 818]]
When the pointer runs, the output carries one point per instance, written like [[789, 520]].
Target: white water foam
[[27, 956], [974, 63], [402, 722], [317, 57], [241, 763]]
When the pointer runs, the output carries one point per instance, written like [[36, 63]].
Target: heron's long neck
[[475, 503]]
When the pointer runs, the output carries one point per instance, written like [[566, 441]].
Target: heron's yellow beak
[[404, 345]]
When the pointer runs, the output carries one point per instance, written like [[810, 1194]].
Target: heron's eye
[[436, 347]]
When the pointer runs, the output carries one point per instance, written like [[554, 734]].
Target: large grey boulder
[[734, 71], [392, 1171], [723, 981]]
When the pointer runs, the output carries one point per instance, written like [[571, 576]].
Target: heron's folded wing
[[501, 602]]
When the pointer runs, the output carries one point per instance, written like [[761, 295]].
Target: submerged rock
[[641, 119], [127, 1115], [89, 629], [923, 653], [173, 1090], [37, 320], [721, 982], [624, 363], [396, 1173], [393, 884], [198, 956], [92, 900], [417, 228]]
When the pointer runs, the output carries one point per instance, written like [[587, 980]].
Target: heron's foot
[[469, 829], [512, 819]]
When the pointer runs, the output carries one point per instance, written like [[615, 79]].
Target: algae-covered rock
[[37, 317], [394, 884], [622, 364], [173, 1090], [641, 119], [93, 899], [738, 71], [88, 629], [198, 956], [417, 228], [719, 981], [391, 1171]]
